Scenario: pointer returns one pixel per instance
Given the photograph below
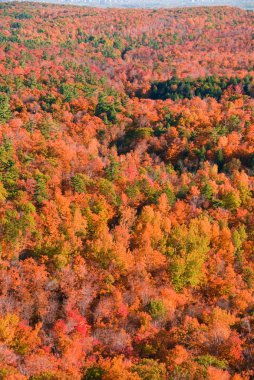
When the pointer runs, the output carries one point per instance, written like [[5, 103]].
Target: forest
[[126, 193], [209, 86]]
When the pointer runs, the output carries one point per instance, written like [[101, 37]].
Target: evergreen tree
[[5, 112]]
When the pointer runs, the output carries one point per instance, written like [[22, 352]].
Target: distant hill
[[245, 4]]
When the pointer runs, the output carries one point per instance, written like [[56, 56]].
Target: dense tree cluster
[[211, 86], [126, 222]]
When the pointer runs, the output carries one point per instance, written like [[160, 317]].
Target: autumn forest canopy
[[126, 193]]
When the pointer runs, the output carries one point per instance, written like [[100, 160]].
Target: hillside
[[126, 193], [245, 4]]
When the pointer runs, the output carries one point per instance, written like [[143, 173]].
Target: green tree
[[157, 309], [107, 189], [231, 200], [94, 373], [207, 191], [219, 159], [170, 195], [107, 108], [41, 193], [149, 369], [5, 111], [15, 223], [188, 249], [113, 169], [208, 360], [69, 92], [8, 169], [79, 183]]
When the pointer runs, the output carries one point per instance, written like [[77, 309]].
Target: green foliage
[[113, 169], [23, 16], [44, 376], [11, 225], [41, 193], [31, 81], [210, 86], [109, 52], [157, 309], [31, 43], [16, 25], [3, 193], [48, 100], [170, 195], [248, 276], [140, 133], [201, 153], [219, 159], [149, 369], [207, 191], [182, 193], [151, 192], [245, 195], [133, 191], [45, 127], [69, 92], [94, 373], [107, 108], [188, 250], [209, 360], [16, 222], [239, 236], [231, 201], [107, 189], [8, 169], [5, 111], [118, 43], [3, 39], [79, 183]]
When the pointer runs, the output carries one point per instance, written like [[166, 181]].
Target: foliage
[[5, 112], [211, 86], [126, 193], [157, 309], [149, 369], [189, 249]]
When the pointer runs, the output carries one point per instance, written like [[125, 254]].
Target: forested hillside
[[126, 193]]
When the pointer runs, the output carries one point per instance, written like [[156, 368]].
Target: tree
[[8, 168], [187, 252], [107, 108], [149, 369], [157, 309], [41, 193], [231, 200], [5, 111]]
